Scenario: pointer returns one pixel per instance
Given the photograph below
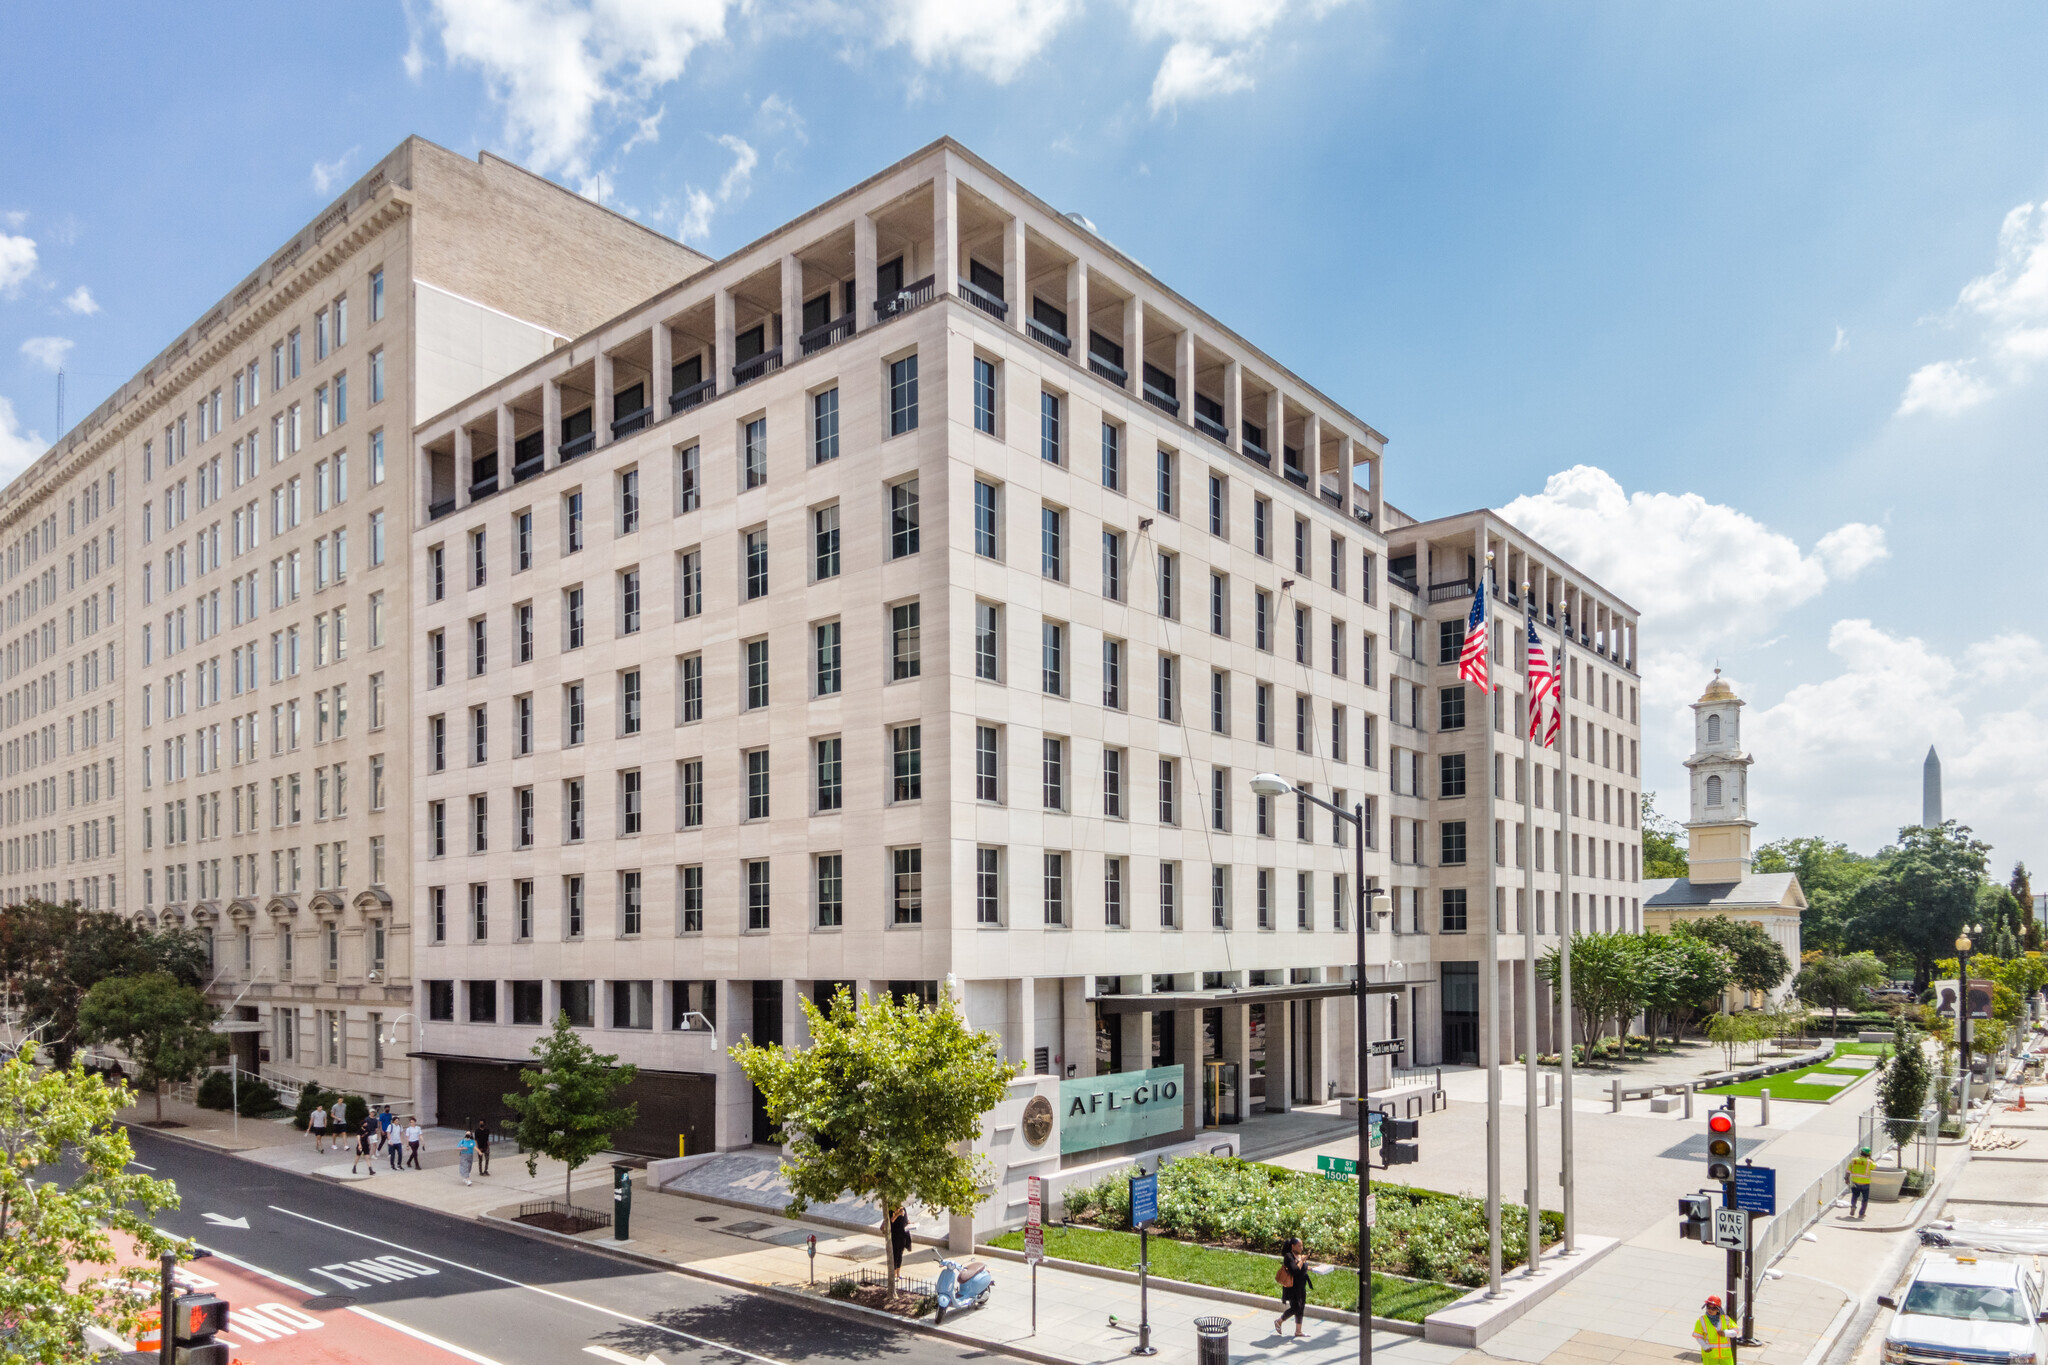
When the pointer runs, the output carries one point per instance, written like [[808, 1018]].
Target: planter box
[[1876, 1035], [1885, 1186]]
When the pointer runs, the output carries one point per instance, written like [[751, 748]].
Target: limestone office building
[[905, 602]]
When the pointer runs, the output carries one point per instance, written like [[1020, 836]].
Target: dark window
[[1451, 708], [526, 1002], [1453, 846], [441, 1000], [1450, 779], [1450, 641], [577, 1001]]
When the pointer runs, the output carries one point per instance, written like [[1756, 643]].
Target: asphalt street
[[498, 1297]]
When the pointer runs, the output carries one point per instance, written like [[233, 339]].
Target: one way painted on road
[[221, 1220], [375, 1270]]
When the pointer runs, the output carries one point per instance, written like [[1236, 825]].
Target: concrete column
[[551, 422], [792, 307], [1276, 433], [794, 1034], [1016, 287], [601, 413], [735, 1125], [1379, 504], [1312, 456], [1077, 1029], [1237, 1048], [465, 460], [1233, 405], [1279, 1057], [864, 264], [1134, 343], [945, 233], [502, 423], [1184, 373], [1187, 1049], [722, 346], [1346, 452], [661, 346], [1025, 1019], [1077, 311]]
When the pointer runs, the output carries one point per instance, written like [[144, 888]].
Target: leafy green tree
[[65, 1189], [1998, 917], [1683, 976], [2022, 888], [1834, 982], [164, 1027], [1608, 982], [880, 1104], [566, 1110], [1663, 853], [1924, 892], [51, 954], [1828, 873], [1758, 961], [1903, 1088]]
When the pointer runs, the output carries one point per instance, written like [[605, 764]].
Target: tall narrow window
[[629, 505], [757, 784], [1052, 659], [905, 632], [986, 774], [826, 680], [1051, 543], [831, 890], [1053, 774], [987, 649], [825, 542], [757, 564], [825, 426], [984, 395], [1113, 565], [907, 885], [1166, 488], [1049, 427], [830, 789], [1113, 893], [903, 519], [1055, 888], [985, 542], [903, 395], [1113, 674], [757, 674], [1112, 455], [754, 454], [988, 886]]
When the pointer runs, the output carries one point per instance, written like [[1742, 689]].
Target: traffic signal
[[1695, 1218], [1721, 1146], [1397, 1145], [194, 1321]]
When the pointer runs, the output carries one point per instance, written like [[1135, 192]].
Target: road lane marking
[[221, 1220], [620, 1357], [145, 1166], [534, 1288], [380, 1270], [309, 1291]]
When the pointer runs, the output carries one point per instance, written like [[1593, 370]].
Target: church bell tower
[[1717, 844]]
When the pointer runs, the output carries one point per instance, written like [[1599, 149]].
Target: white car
[[1968, 1310]]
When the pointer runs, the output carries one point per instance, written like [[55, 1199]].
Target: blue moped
[[962, 1284]]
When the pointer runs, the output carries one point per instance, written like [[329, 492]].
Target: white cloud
[[1698, 571], [733, 187], [328, 174], [1841, 339], [558, 68], [991, 38], [778, 116], [1192, 71], [17, 261], [13, 218], [48, 352], [2007, 309], [18, 448], [80, 300], [1945, 387]]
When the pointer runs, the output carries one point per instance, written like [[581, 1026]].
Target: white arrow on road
[[222, 1221], [620, 1357]]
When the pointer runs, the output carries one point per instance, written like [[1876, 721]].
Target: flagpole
[[1532, 1182], [1567, 926], [1490, 978]]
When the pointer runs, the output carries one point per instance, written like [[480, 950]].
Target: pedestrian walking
[[483, 1146], [384, 1125], [338, 1118], [1859, 1184], [412, 1141], [1295, 1282], [394, 1146], [465, 1155], [1715, 1333], [366, 1146], [316, 1123]]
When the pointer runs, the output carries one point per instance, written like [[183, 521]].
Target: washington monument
[[1930, 790]]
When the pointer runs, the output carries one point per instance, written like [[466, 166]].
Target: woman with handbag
[[1295, 1282]]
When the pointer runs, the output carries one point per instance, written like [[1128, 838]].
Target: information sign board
[[1144, 1200], [1756, 1189]]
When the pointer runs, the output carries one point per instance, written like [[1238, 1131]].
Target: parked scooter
[[962, 1284]]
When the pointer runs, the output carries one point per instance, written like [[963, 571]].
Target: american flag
[[1472, 660], [1542, 687]]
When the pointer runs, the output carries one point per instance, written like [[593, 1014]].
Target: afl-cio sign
[[1098, 1111]]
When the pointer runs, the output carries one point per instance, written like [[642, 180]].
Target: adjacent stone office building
[[905, 602], [207, 659]]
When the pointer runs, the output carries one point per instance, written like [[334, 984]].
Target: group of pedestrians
[[381, 1134]]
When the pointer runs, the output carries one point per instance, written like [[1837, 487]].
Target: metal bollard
[[1212, 1341], [1688, 1099], [1617, 1095], [1549, 1090], [1767, 1109]]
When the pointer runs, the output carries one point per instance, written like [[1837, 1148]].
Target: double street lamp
[[1963, 947], [1368, 904]]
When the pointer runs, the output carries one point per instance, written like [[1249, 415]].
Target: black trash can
[[1212, 1341]]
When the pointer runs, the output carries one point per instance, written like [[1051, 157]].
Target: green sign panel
[[1101, 1111], [1336, 1165]]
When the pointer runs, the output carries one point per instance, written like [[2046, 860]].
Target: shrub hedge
[[1420, 1233]]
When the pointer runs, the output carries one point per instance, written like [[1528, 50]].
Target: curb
[[1236, 1296], [852, 1311]]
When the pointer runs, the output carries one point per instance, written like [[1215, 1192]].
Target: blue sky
[[1744, 308]]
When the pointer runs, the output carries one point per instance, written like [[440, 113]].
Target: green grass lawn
[[1785, 1085], [1245, 1271]]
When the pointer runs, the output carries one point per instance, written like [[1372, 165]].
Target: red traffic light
[[1720, 1123]]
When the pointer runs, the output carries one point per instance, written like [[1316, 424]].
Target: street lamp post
[[1273, 785], [1963, 1014]]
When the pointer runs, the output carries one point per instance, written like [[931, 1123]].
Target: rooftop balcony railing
[[904, 300], [1294, 475], [1403, 581], [632, 421], [683, 399], [484, 487], [1444, 592], [438, 510], [528, 469], [1211, 428], [1257, 453], [1159, 398], [749, 370], [1110, 370], [581, 445], [818, 338], [985, 301], [1362, 513], [1047, 337]]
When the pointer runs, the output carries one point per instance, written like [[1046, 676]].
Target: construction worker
[[1859, 1184], [1715, 1332]]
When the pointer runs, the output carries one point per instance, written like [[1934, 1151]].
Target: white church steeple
[[1717, 844]]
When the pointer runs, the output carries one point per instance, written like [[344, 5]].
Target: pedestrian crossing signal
[[1695, 1218], [1721, 1147]]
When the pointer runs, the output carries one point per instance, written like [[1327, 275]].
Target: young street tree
[[878, 1102], [1758, 962], [566, 1110], [1833, 982], [52, 1222], [1903, 1087], [1682, 976], [163, 1026], [1607, 982]]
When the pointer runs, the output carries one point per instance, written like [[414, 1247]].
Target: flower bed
[[1222, 1200]]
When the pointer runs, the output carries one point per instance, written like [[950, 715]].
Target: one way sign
[[1731, 1228]]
